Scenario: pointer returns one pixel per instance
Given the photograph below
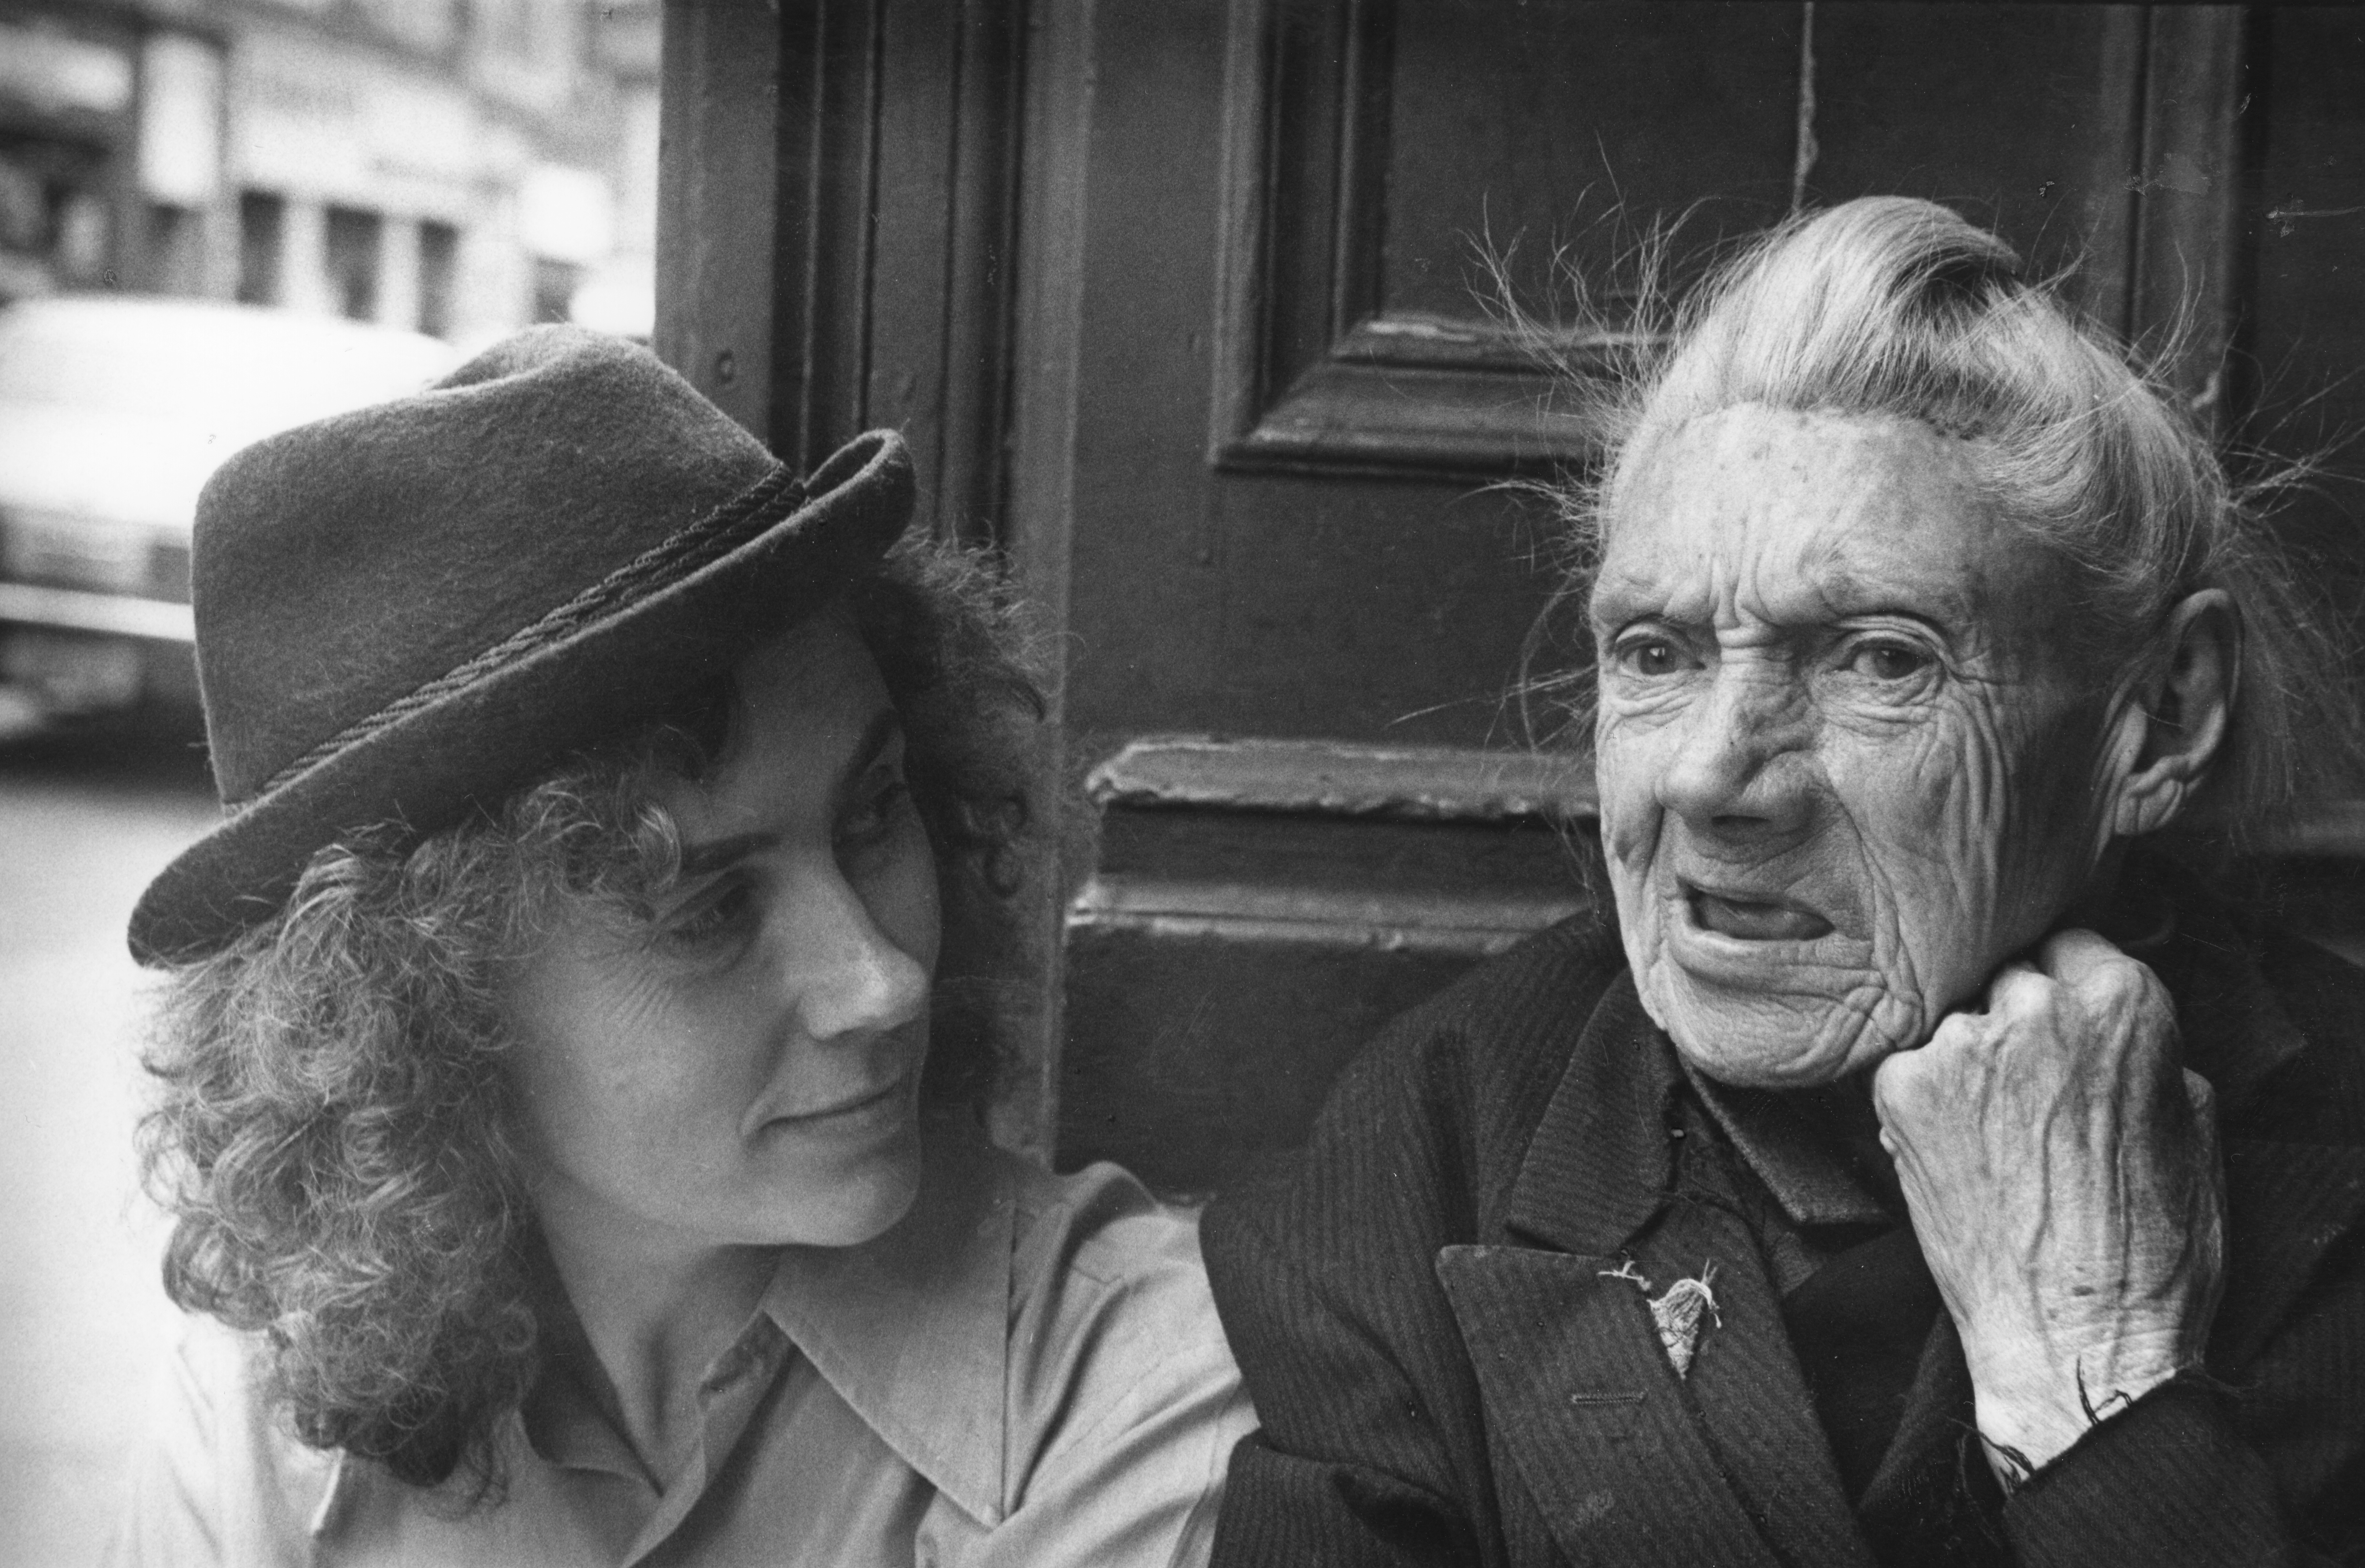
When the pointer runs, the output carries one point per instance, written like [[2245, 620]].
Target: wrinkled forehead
[[1757, 512]]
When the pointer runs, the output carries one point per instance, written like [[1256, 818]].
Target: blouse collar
[[912, 1329]]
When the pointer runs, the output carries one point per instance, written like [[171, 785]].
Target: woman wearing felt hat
[[548, 1110]]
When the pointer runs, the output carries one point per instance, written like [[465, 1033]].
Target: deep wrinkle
[[1830, 684]]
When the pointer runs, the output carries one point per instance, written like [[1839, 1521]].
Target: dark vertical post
[[718, 202], [2188, 206], [1048, 304]]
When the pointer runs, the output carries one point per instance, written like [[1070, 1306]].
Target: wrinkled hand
[[2062, 1175]]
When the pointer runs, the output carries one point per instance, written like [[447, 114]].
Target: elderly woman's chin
[[1772, 1014]]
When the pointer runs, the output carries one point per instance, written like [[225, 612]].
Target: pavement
[[84, 824]]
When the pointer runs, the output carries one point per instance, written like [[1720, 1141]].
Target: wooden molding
[[1257, 909], [1312, 375], [1336, 779], [1373, 920], [1419, 849]]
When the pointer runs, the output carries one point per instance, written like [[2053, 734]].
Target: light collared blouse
[[1026, 1369]]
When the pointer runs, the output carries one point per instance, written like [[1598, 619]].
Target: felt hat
[[413, 608]]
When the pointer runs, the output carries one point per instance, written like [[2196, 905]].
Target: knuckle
[[2122, 978], [2022, 992], [2128, 991], [2077, 951], [1897, 1083], [1913, 1086], [1958, 1032]]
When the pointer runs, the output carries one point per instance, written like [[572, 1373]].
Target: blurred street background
[[84, 821], [456, 167], [217, 218]]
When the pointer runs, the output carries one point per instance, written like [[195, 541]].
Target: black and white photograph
[[1182, 783]]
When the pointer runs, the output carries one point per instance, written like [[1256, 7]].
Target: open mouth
[[1748, 919]]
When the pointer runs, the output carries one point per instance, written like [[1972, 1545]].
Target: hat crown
[[342, 564]]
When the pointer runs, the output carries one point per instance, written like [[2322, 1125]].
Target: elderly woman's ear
[[2175, 713]]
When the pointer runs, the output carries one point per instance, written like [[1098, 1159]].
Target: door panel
[[1291, 389], [1185, 307], [2296, 382]]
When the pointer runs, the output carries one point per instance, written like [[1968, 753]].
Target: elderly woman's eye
[[1651, 656], [1888, 661]]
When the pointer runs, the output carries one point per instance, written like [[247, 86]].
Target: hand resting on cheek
[[2062, 1174]]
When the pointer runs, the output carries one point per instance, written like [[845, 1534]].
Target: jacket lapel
[[2288, 1195], [1630, 1463], [1749, 1395], [2285, 1204], [1580, 1393]]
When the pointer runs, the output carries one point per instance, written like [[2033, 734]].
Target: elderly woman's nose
[[848, 974], [1723, 772]]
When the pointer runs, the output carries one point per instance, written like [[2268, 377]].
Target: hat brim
[[516, 722]]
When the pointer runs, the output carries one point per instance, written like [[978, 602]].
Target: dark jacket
[[1446, 1376]]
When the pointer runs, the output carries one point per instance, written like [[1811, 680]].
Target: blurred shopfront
[[458, 168]]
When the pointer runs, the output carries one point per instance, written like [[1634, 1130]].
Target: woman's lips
[[1746, 919], [847, 1112]]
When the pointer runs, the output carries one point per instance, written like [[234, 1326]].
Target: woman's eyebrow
[[702, 859]]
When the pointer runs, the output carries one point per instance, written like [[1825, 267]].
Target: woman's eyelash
[[868, 814], [714, 915]]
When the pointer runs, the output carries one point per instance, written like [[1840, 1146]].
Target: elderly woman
[[1859, 1199], [556, 1109]]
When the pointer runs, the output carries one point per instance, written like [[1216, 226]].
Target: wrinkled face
[[1845, 770], [745, 1069]]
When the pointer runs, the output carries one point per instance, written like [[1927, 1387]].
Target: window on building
[[503, 27], [85, 230], [352, 259], [554, 283], [261, 236], [439, 265], [176, 248]]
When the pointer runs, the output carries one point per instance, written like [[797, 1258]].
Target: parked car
[[114, 411]]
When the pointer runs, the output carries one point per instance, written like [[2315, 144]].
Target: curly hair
[[1891, 306], [334, 1131]]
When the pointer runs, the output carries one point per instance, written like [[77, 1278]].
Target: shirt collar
[[1788, 1154], [1598, 1168], [911, 1330]]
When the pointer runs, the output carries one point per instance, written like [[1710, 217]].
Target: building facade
[[460, 167]]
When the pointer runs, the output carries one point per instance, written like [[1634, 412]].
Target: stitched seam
[[676, 556]]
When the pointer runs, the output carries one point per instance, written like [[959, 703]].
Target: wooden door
[[1189, 306]]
